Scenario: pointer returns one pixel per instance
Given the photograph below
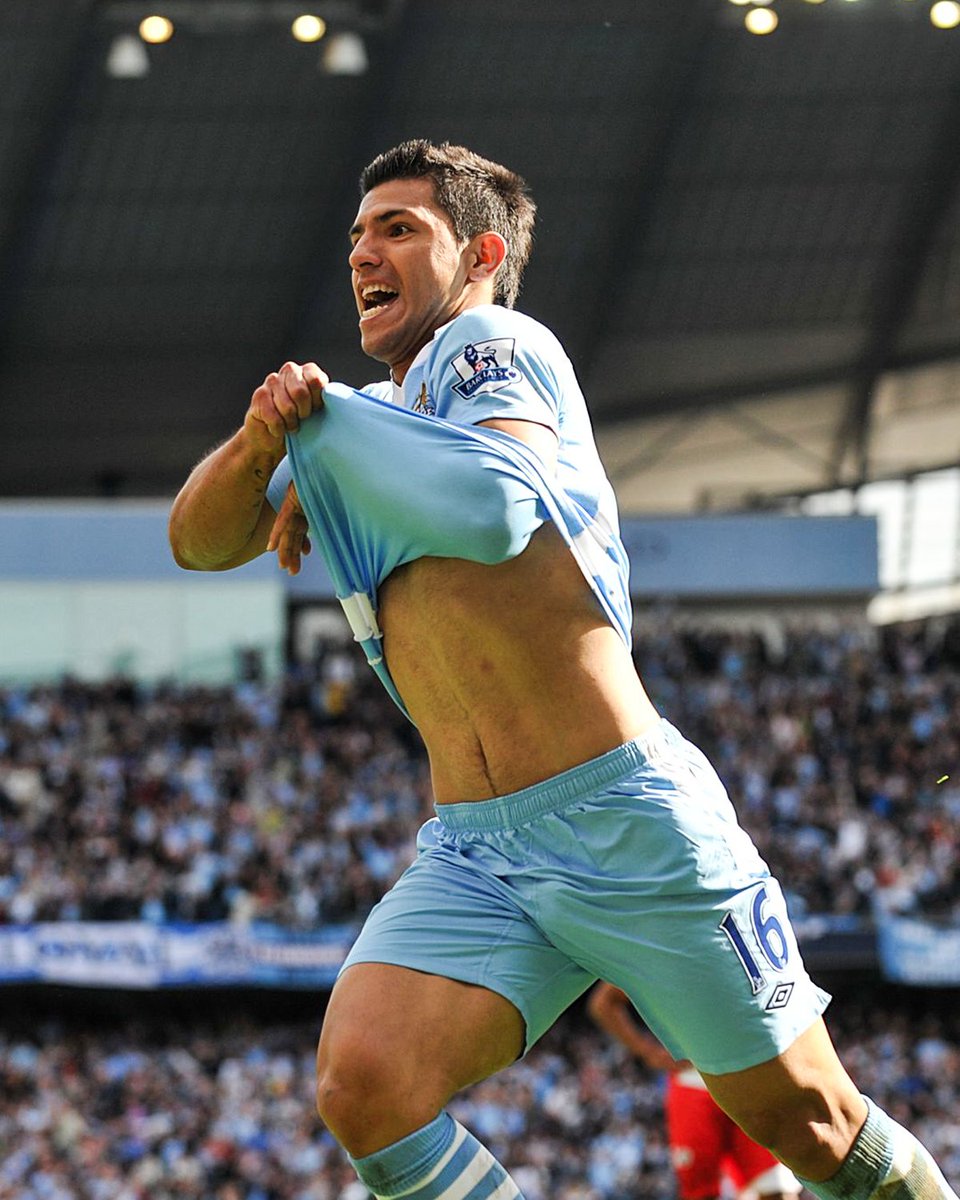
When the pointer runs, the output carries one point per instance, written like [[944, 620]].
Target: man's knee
[[354, 1079], [398, 1043], [371, 1093], [810, 1130], [338, 1090]]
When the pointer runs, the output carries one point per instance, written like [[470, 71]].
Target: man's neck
[[398, 373]]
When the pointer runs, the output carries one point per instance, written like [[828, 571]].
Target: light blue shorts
[[630, 868]]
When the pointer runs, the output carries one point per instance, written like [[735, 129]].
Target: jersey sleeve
[[492, 363], [279, 481]]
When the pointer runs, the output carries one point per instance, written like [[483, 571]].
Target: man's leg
[[396, 1045], [805, 1108], [695, 1134]]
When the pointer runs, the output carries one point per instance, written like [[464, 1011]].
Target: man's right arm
[[221, 517]]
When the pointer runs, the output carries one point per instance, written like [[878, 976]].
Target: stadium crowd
[[297, 801], [227, 1114]]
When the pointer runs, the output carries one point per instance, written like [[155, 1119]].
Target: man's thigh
[[439, 1033], [396, 1044], [446, 918], [693, 966]]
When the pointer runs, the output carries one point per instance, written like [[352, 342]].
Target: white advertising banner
[[137, 954]]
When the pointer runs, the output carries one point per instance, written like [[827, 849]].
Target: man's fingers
[[293, 544], [279, 400], [287, 397], [303, 386], [290, 553], [288, 535], [289, 510], [316, 380], [293, 394], [292, 500], [275, 531], [263, 409]]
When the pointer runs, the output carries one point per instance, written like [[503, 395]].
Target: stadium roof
[[750, 245]]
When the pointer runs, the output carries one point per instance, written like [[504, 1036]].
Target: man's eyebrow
[[379, 219]]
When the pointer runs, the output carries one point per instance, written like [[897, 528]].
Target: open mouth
[[375, 299]]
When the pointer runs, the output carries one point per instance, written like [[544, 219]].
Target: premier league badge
[[485, 367]]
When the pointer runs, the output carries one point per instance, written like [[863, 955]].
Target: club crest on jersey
[[423, 403], [485, 367]]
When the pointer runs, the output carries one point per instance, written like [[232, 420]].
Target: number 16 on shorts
[[768, 935]]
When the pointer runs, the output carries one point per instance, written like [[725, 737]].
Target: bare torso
[[512, 673]]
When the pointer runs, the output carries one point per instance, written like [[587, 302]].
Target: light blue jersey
[[493, 362], [383, 485]]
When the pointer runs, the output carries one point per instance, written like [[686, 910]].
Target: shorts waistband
[[506, 812]]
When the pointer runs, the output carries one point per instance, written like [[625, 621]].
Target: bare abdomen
[[511, 672]]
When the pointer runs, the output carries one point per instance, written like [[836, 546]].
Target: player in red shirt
[[706, 1146]]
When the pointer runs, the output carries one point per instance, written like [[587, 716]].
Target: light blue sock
[[441, 1161], [886, 1162]]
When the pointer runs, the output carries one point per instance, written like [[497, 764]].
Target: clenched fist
[[284, 399]]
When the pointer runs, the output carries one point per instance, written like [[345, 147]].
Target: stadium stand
[[202, 1111], [296, 803]]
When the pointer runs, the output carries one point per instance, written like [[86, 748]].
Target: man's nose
[[363, 253]]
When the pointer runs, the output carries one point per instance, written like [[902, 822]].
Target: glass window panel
[[887, 502], [931, 554]]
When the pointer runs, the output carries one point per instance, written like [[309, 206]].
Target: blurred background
[[749, 243]]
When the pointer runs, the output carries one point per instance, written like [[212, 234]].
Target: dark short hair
[[476, 194]]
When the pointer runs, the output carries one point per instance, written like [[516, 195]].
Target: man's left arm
[[498, 369], [538, 438]]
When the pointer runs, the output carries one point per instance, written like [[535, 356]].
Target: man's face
[[409, 272]]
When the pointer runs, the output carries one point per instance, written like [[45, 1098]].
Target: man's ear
[[488, 252]]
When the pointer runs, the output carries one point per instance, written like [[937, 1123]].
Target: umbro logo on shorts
[[781, 996]]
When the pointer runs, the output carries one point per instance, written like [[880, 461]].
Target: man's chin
[[371, 345], [380, 347]]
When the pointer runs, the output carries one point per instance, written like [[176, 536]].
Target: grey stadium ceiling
[[749, 245]]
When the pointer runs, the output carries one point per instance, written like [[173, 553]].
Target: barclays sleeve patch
[[485, 366]]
